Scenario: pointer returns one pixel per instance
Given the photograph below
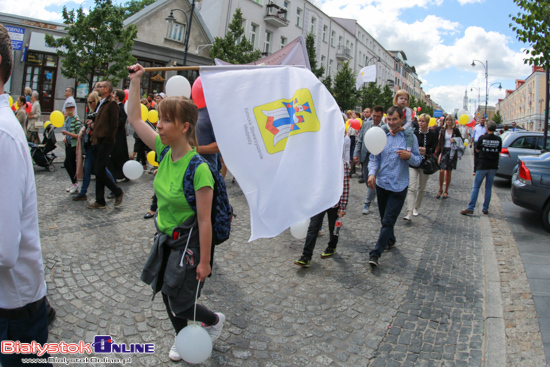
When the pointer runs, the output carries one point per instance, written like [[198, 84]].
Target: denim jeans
[[389, 204], [25, 330], [313, 231], [369, 198], [101, 154], [481, 174], [88, 165]]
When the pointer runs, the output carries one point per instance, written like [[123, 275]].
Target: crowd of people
[[183, 252]]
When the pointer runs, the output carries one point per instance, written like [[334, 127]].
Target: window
[[360, 57], [243, 24], [325, 29], [527, 142], [330, 67], [324, 60], [253, 31], [298, 17], [267, 42], [332, 36], [351, 48], [541, 142], [283, 42], [340, 39], [313, 24], [176, 32], [286, 6]]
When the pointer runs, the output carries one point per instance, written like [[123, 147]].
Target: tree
[[370, 95], [234, 47], [532, 27], [386, 99], [312, 55], [328, 83], [344, 88], [133, 6], [95, 44], [497, 118]]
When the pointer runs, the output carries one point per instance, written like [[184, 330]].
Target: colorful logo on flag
[[286, 117]]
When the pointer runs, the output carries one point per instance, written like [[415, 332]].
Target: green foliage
[[532, 27], [387, 97], [312, 55], [370, 95], [133, 6], [234, 47], [328, 83], [497, 118], [344, 91], [95, 43]]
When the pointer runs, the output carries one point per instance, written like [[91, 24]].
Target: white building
[[270, 25]]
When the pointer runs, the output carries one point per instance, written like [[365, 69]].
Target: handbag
[[430, 165]]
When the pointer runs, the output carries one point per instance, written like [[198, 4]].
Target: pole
[[486, 85], [546, 112], [188, 33]]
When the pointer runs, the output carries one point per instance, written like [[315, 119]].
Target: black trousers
[[101, 154], [70, 162], [313, 231]]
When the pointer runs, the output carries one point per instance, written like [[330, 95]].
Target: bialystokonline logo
[[101, 344]]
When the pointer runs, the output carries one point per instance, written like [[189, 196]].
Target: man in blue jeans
[[488, 147], [389, 174]]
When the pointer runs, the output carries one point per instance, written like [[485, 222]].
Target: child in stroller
[[40, 153]]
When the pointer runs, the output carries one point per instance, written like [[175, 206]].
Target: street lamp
[[499, 87], [372, 58], [171, 19], [486, 67]]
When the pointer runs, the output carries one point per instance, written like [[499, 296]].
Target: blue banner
[[16, 34], [438, 113]]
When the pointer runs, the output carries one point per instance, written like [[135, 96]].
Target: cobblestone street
[[424, 306]]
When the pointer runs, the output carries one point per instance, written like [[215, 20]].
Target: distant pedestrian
[[34, 119], [389, 174], [69, 97], [478, 131], [488, 146], [21, 114], [70, 132], [447, 161], [119, 155]]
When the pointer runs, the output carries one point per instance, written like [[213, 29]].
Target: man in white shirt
[[23, 315], [479, 130], [69, 95]]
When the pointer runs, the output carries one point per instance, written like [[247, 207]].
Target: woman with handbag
[[447, 162], [418, 176]]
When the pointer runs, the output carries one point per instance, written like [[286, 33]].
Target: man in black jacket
[[119, 155], [488, 147]]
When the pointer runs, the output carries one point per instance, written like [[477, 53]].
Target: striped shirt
[[393, 172]]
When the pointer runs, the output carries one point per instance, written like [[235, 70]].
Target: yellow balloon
[[151, 158], [153, 116], [46, 124], [144, 112], [432, 122], [10, 100], [463, 120], [57, 119]]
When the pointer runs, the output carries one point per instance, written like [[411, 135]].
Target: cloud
[[464, 2], [38, 8]]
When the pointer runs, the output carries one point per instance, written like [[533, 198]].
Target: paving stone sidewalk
[[424, 306]]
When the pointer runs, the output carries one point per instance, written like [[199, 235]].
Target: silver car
[[516, 144], [531, 185]]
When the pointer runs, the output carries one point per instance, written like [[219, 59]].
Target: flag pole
[[169, 68]]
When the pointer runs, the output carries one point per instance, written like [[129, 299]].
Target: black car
[[531, 185]]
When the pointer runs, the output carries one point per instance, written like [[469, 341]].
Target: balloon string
[[196, 297]]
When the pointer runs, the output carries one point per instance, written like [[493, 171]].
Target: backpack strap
[[188, 181], [163, 153]]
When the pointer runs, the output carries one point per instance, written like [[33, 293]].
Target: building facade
[[525, 105]]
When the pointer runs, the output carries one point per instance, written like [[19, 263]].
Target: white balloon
[[299, 230], [194, 344], [470, 117], [132, 169], [375, 140], [178, 86], [126, 107], [461, 112]]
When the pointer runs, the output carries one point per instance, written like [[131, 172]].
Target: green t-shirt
[[173, 208]]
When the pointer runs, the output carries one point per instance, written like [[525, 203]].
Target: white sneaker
[[415, 212], [215, 330], [408, 216], [173, 354], [365, 210], [68, 189], [73, 189]]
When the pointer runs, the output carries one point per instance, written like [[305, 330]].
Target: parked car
[[516, 144], [501, 127], [531, 185]]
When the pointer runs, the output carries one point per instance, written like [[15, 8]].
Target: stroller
[[40, 153]]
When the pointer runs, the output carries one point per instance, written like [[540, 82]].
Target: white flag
[[366, 75], [281, 135], [295, 53]]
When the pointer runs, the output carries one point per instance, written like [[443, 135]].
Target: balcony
[[343, 53], [276, 16]]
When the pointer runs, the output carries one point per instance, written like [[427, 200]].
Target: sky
[[441, 38]]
